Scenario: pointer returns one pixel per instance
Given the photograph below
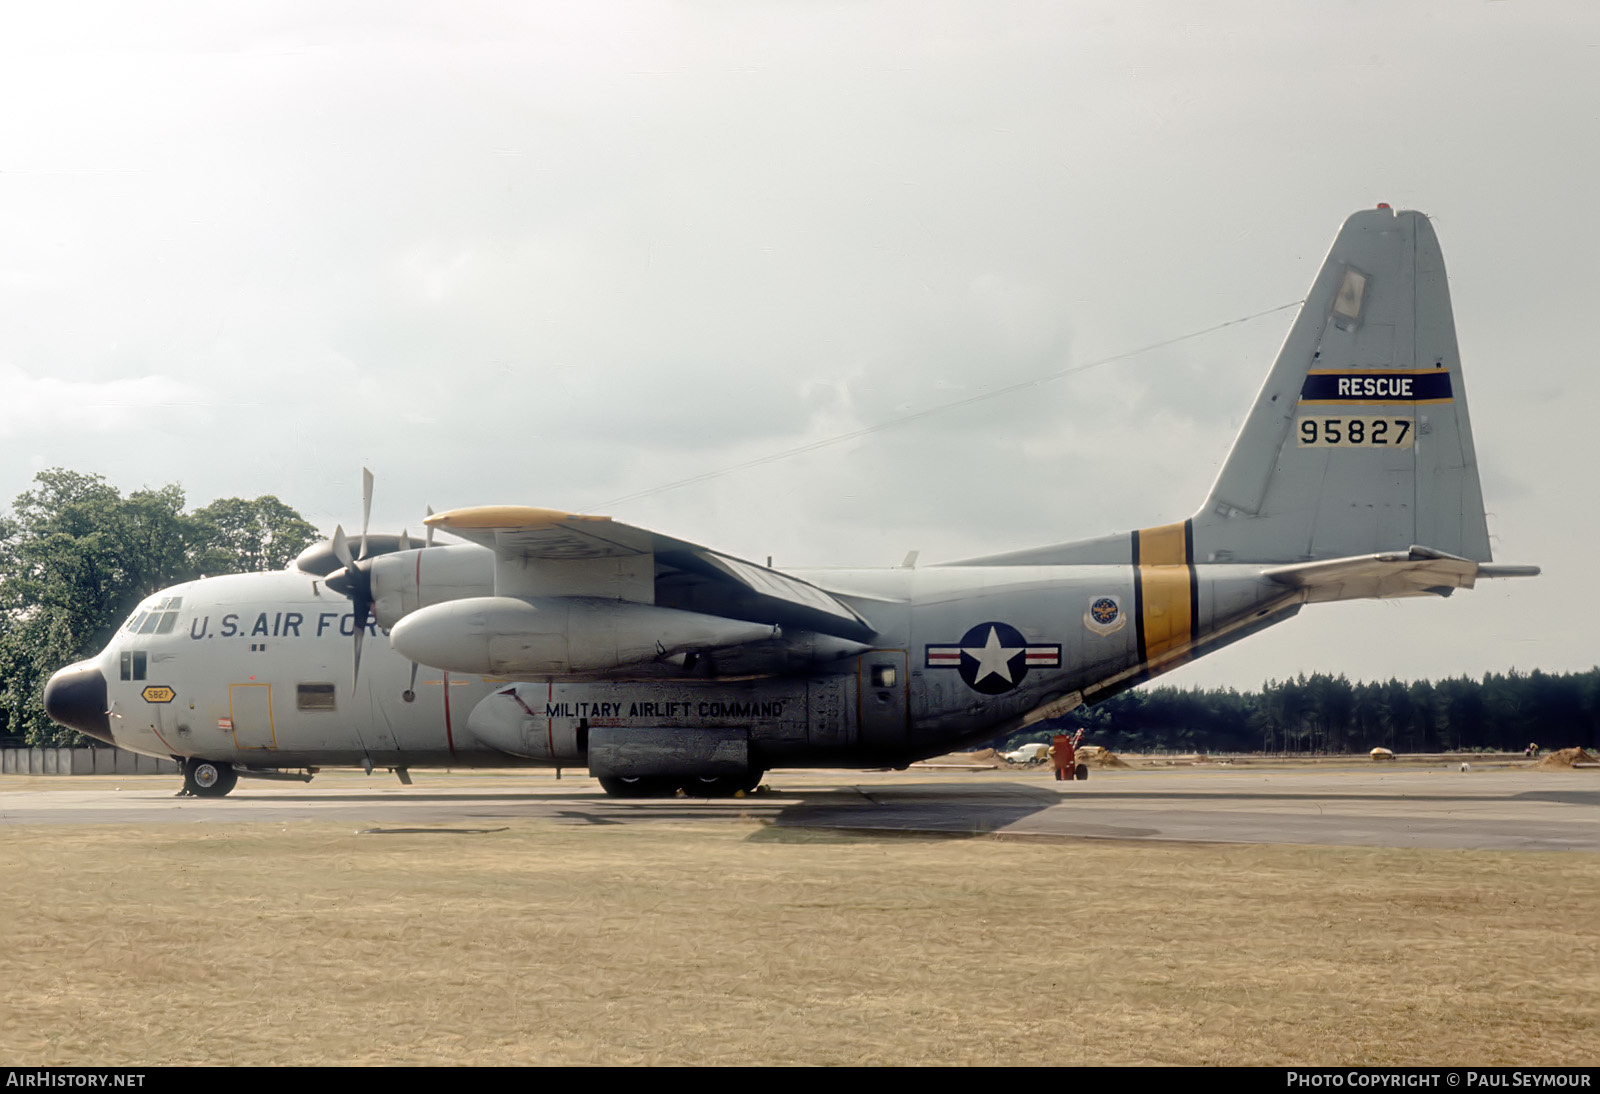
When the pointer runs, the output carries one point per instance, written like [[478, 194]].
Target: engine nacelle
[[407, 580], [540, 637]]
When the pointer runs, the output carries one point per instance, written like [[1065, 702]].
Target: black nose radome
[[76, 697]]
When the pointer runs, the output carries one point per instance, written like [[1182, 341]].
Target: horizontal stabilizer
[[1421, 571]]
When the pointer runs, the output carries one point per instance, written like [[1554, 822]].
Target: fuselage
[[256, 670]]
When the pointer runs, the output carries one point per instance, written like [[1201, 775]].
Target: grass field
[[737, 943]]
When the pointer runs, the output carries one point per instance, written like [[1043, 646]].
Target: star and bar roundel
[[993, 657]]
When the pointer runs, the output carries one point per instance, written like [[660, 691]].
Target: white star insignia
[[993, 658]]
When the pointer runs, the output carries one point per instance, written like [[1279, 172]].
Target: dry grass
[[734, 943]]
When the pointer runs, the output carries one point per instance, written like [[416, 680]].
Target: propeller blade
[[405, 540], [361, 632], [428, 541], [362, 603], [366, 507], [341, 547]]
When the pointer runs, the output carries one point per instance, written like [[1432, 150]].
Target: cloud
[[39, 406]]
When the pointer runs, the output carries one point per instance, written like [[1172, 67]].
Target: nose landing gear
[[208, 778]]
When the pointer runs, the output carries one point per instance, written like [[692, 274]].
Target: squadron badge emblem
[[993, 657], [1105, 615]]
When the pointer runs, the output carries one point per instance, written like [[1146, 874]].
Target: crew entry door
[[884, 717], [250, 707]]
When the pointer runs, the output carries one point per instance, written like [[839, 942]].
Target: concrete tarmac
[[1515, 809]]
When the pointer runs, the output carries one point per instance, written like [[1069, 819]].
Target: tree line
[[1502, 712], [76, 556]]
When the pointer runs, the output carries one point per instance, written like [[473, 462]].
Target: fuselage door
[[250, 707], [885, 719]]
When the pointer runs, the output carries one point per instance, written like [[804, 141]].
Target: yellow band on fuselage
[[1167, 619], [1163, 546], [1164, 584]]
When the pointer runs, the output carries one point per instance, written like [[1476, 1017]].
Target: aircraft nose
[[76, 697]]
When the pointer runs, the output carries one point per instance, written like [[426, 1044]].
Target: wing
[[546, 552]]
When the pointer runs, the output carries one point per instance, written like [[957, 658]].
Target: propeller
[[353, 579], [366, 507]]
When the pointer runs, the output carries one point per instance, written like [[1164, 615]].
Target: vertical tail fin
[[1359, 440]]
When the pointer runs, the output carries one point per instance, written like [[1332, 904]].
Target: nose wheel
[[208, 778]]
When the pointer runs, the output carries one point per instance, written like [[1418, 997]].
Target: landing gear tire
[[1080, 772], [208, 778], [637, 786], [721, 786], [709, 786]]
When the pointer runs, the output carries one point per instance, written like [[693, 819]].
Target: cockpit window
[[160, 618]]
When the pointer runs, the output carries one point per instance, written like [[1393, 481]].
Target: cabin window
[[315, 697], [883, 676]]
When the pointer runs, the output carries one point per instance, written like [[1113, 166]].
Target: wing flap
[[548, 552], [544, 533]]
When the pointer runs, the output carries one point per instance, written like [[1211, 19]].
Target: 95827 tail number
[[1354, 432]]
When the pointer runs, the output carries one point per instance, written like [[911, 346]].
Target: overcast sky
[[556, 254]]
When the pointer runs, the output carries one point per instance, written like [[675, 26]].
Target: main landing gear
[[208, 778], [694, 786]]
